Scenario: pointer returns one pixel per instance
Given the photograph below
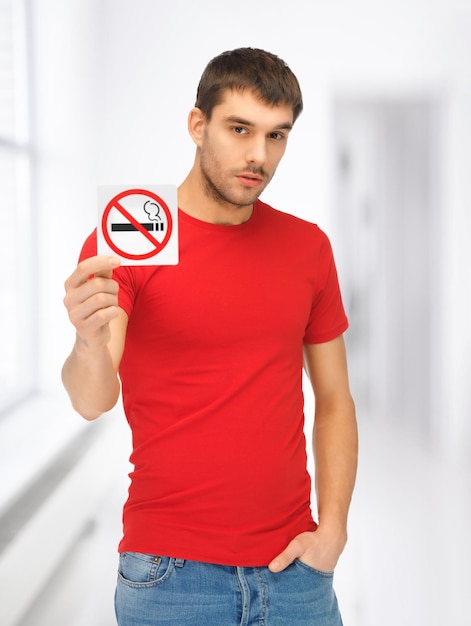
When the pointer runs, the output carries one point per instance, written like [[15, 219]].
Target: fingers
[[84, 307], [292, 552], [91, 298], [94, 288], [314, 548], [94, 266]]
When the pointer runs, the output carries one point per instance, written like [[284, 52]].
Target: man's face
[[241, 147]]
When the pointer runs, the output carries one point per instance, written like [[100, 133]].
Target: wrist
[[334, 531], [89, 349]]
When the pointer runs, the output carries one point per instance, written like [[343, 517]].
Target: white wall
[[116, 78]]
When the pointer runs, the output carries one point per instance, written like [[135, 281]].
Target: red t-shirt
[[212, 386]]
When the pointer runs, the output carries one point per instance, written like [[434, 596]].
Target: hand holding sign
[[139, 224], [91, 299]]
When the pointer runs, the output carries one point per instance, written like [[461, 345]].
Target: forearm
[[91, 380], [335, 450], [335, 444]]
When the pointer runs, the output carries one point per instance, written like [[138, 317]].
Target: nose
[[256, 151]]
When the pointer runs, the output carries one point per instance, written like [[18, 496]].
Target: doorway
[[386, 221]]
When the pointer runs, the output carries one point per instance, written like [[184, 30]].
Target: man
[[218, 527]]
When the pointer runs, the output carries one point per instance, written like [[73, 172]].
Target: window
[[17, 258]]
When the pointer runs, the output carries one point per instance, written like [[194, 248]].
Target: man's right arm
[[90, 373]]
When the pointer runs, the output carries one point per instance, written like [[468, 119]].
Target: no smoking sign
[[138, 224]]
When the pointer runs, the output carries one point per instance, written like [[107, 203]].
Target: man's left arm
[[335, 444]]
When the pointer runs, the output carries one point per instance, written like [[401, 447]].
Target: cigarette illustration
[[152, 209]]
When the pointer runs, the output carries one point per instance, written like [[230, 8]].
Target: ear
[[196, 125]]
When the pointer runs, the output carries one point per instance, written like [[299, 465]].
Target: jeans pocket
[[313, 570], [144, 570]]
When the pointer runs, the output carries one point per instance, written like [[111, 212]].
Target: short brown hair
[[249, 68]]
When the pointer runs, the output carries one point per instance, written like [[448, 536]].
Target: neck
[[195, 200]]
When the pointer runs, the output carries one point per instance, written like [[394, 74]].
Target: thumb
[[285, 558]]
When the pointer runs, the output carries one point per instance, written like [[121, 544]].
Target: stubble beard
[[220, 193]]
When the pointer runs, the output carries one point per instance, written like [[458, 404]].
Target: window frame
[[19, 323]]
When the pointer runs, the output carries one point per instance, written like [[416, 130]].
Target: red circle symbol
[[115, 203]]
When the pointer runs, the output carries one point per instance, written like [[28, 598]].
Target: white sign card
[[138, 223]]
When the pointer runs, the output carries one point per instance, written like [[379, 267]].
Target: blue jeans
[[155, 590]]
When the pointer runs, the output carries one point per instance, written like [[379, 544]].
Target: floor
[[406, 563]]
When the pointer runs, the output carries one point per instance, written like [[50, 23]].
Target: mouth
[[249, 180]]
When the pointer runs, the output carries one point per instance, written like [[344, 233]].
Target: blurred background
[[97, 92]]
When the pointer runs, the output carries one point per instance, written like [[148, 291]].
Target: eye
[[239, 130], [276, 136]]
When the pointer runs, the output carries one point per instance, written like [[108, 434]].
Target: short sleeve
[[328, 319]]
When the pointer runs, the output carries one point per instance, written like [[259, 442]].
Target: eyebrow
[[238, 120]]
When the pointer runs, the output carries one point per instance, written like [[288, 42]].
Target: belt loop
[[179, 562]]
